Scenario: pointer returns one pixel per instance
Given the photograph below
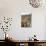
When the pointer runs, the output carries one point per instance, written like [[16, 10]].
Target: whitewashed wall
[[15, 8]]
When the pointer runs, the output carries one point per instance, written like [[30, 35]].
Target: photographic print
[[26, 20]]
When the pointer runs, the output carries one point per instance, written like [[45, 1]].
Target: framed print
[[26, 20]]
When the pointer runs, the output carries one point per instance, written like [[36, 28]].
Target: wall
[[15, 8], [45, 28]]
